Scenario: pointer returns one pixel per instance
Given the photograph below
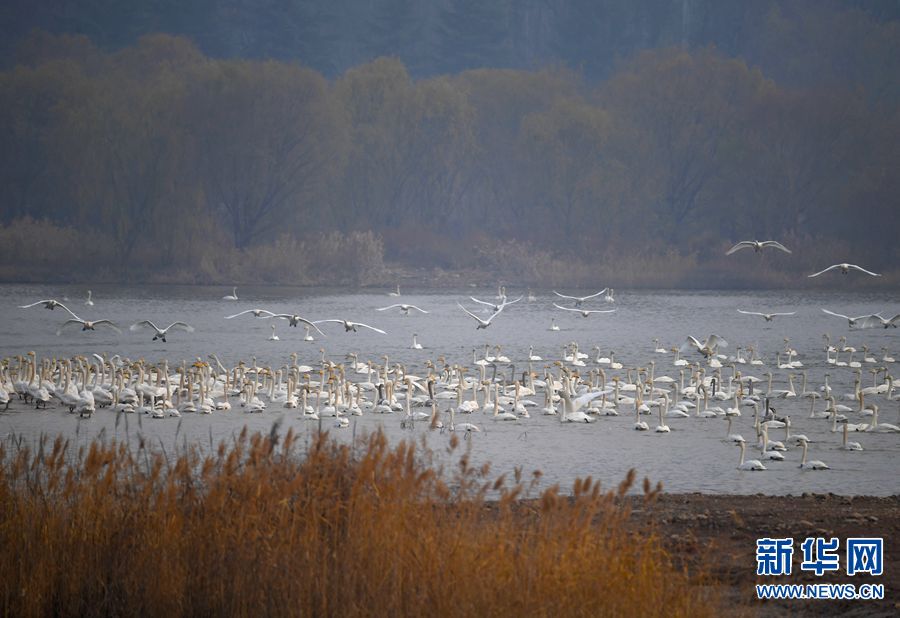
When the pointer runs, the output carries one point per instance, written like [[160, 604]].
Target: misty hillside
[[540, 141]]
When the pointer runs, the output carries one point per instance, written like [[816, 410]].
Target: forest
[[160, 159]]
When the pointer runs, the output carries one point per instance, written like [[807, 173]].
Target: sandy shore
[[718, 534]]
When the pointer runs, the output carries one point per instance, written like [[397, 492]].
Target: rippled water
[[693, 457]]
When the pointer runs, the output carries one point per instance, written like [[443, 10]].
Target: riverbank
[[717, 534]]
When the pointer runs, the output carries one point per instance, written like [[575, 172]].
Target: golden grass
[[269, 526]]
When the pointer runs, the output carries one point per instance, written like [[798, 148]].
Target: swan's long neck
[[742, 454]]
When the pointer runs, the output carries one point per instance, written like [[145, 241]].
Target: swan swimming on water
[[89, 302], [815, 464], [752, 464], [232, 296]]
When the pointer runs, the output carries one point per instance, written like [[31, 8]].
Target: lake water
[[693, 457]]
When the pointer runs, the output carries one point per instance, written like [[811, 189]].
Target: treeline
[[158, 162]]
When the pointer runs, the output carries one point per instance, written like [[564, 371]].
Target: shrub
[[266, 527]]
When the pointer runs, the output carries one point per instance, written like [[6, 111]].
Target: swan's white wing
[[377, 330], [494, 315], [389, 307], [472, 314], [313, 325], [894, 320], [597, 310], [861, 269], [138, 325], [290, 316], [691, 342], [509, 302], [753, 313], [603, 291], [714, 341], [837, 315], [777, 245], [566, 308], [564, 296], [788, 313], [181, 326], [417, 308], [270, 314], [40, 302], [67, 324], [869, 321], [832, 267], [739, 246], [108, 324], [587, 398], [482, 302]]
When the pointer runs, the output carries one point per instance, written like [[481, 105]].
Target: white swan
[[89, 302], [494, 306], [273, 336], [772, 455], [708, 347], [232, 296], [403, 307], [877, 427], [875, 320], [294, 319], [481, 322], [161, 332], [845, 268], [580, 299], [815, 464], [752, 464], [87, 324], [415, 344], [584, 312], [767, 316], [860, 320], [467, 427], [732, 437], [553, 325], [662, 427], [259, 313], [307, 336], [758, 246], [49, 303], [395, 293], [571, 412], [847, 445]]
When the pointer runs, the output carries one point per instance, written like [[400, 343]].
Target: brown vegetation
[[266, 526]]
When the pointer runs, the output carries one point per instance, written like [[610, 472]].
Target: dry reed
[[269, 526]]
